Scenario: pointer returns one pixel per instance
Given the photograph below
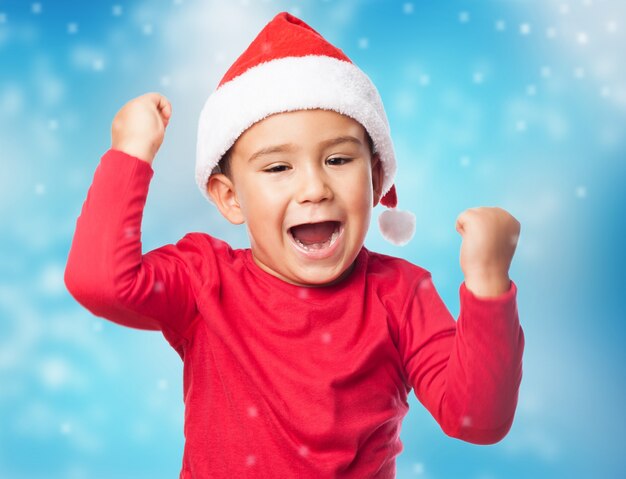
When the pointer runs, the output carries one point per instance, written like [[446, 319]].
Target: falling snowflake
[[477, 78], [581, 192], [65, 428], [611, 26], [250, 460], [466, 421], [500, 25], [524, 29], [98, 64], [582, 38], [531, 90], [546, 72], [303, 451], [407, 8], [40, 189], [579, 72], [53, 124], [418, 468], [424, 80], [253, 411], [147, 29], [520, 125], [72, 28], [117, 10], [158, 287], [326, 337], [464, 161], [363, 43], [550, 32], [564, 8], [36, 8], [162, 384], [464, 17], [3, 17]]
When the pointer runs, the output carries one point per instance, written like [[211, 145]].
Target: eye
[[276, 169], [338, 160]]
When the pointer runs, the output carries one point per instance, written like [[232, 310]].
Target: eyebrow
[[291, 146]]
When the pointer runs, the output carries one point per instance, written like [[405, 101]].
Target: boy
[[299, 352]]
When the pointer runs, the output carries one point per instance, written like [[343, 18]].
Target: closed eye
[[337, 160], [276, 169]]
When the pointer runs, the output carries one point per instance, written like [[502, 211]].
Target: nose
[[313, 186]]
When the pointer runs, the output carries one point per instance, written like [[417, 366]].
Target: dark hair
[[224, 163]]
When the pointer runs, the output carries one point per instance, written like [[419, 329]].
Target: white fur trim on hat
[[288, 84]]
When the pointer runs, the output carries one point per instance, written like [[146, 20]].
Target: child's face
[[315, 180]]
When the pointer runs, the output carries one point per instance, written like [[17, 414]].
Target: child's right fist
[[139, 127]]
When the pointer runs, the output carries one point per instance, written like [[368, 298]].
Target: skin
[[310, 184]]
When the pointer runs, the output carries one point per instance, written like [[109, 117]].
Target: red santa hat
[[289, 66]]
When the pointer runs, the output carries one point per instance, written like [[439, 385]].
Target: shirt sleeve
[[467, 373], [106, 271]]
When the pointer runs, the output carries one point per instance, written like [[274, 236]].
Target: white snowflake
[[582, 38], [65, 428], [466, 421], [407, 8], [72, 28], [363, 43], [40, 189], [418, 468], [162, 384], [36, 8], [117, 10], [326, 337], [500, 25], [158, 287], [147, 29], [98, 64], [424, 80], [605, 91], [531, 90], [546, 72], [96, 326], [520, 125], [253, 411], [564, 8], [250, 460], [464, 17], [165, 81], [303, 451], [581, 192], [550, 32], [53, 124], [478, 77], [579, 72], [465, 161], [611, 26], [3, 17], [524, 29]]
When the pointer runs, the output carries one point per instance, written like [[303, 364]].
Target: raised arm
[[467, 373], [106, 271]]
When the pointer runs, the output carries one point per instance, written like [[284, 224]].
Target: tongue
[[314, 233]]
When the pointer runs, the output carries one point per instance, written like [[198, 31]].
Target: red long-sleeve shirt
[[283, 381]]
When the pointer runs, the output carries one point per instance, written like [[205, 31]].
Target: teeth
[[326, 244]]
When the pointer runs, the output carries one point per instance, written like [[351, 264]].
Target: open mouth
[[316, 236]]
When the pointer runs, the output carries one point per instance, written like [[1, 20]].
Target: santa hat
[[289, 66]]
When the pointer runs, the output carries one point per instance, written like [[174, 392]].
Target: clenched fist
[[489, 240], [139, 126]]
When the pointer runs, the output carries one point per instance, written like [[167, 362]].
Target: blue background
[[514, 104]]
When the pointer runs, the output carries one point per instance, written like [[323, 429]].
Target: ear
[[221, 189], [377, 177]]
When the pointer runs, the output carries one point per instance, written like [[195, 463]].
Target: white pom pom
[[397, 226]]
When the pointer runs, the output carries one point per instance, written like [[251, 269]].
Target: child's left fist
[[489, 240]]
